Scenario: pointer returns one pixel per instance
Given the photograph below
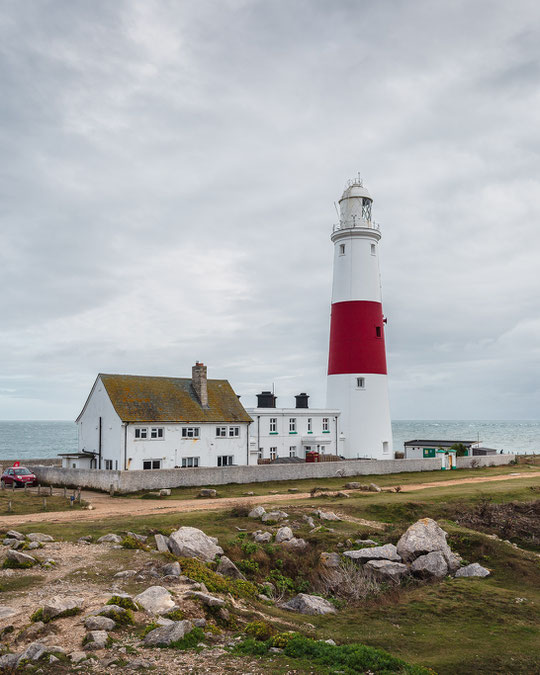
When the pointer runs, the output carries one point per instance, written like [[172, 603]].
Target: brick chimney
[[199, 383]]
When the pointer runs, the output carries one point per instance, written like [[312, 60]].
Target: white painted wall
[[283, 440], [99, 405], [356, 272]]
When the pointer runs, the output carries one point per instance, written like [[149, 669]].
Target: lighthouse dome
[[356, 190], [355, 205]]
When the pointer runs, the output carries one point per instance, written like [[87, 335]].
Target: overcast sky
[[168, 172]]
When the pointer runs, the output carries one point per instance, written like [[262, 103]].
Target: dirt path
[[110, 507]]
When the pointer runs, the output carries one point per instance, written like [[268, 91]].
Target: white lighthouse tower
[[357, 375]]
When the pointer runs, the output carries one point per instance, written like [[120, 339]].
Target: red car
[[19, 475]]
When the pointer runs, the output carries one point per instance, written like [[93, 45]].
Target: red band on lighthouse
[[357, 338]]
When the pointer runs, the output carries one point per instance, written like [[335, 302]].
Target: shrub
[[249, 547], [132, 543], [240, 510], [350, 582], [281, 640], [259, 630], [248, 566], [122, 601], [16, 565], [189, 641], [124, 618], [175, 615], [148, 628], [215, 583], [37, 615]]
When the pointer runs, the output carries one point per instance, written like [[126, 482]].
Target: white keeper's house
[[132, 422], [292, 432]]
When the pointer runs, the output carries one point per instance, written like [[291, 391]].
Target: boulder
[[295, 544], [58, 607], [13, 543], [206, 598], [110, 538], [274, 516], [208, 493], [13, 534], [33, 631], [352, 486], [7, 612], [374, 488], [8, 662], [40, 537], [77, 657], [430, 565], [125, 574], [262, 537], [99, 623], [386, 552], [257, 512], [164, 635], [171, 569], [96, 639], [330, 560], [229, 569], [422, 537], [111, 611], [189, 542], [33, 545], [365, 542], [22, 559], [155, 600], [309, 520], [284, 534], [473, 570], [165, 492], [386, 569], [162, 543], [309, 604], [327, 515]]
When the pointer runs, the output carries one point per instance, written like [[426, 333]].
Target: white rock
[[257, 512], [386, 552], [162, 543], [309, 604], [430, 565], [155, 600], [164, 635], [295, 544], [420, 538], [99, 623], [38, 536], [261, 537], [229, 569], [189, 542], [97, 639], [7, 612], [284, 534], [206, 598], [57, 607], [473, 570], [274, 516], [113, 538], [13, 534], [386, 569], [327, 515]]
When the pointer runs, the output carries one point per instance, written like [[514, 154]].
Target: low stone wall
[[132, 481]]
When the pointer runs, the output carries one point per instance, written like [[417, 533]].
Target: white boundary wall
[[132, 481]]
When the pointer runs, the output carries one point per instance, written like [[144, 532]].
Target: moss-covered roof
[[139, 398]]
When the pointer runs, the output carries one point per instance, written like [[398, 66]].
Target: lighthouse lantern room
[[357, 373]]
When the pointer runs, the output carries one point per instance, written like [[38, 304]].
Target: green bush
[[248, 566], [249, 547], [215, 583], [281, 582], [132, 543], [15, 565], [189, 641], [260, 630], [37, 615], [122, 601], [148, 628], [175, 615], [349, 659], [124, 618]]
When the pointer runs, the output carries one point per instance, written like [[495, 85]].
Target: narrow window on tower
[[360, 382], [378, 331], [373, 249], [342, 249]]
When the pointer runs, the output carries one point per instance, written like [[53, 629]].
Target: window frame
[[191, 433], [190, 462], [159, 433], [292, 450], [234, 432], [221, 432], [360, 382], [273, 453], [229, 460], [342, 249], [292, 425], [272, 425], [326, 425], [141, 433]]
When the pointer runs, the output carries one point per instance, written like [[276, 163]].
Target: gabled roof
[[140, 398]]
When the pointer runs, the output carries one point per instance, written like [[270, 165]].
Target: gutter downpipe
[[125, 445], [99, 444], [247, 443], [258, 436]]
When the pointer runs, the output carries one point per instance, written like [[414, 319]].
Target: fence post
[[13, 486], [39, 489], [111, 490], [50, 490], [9, 506], [25, 486], [45, 503], [65, 492]]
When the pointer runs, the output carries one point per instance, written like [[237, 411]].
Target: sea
[[46, 439]]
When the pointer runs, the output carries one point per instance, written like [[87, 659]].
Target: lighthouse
[[357, 375]]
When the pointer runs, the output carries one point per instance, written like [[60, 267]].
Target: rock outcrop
[[309, 604], [386, 552], [189, 542]]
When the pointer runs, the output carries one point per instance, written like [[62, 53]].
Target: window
[[108, 464], [151, 464], [366, 209], [190, 432], [141, 432], [292, 451], [273, 425], [360, 382], [385, 447], [190, 462], [234, 432], [156, 432], [260, 453], [309, 425], [225, 460], [373, 249], [273, 453], [221, 432], [292, 425], [342, 249], [378, 331], [325, 425]]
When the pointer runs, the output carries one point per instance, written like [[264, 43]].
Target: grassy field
[[456, 627], [305, 485], [30, 502]]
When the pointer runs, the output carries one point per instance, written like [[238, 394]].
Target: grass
[[337, 483], [31, 502]]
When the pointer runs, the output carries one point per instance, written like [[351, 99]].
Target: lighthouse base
[[366, 429]]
